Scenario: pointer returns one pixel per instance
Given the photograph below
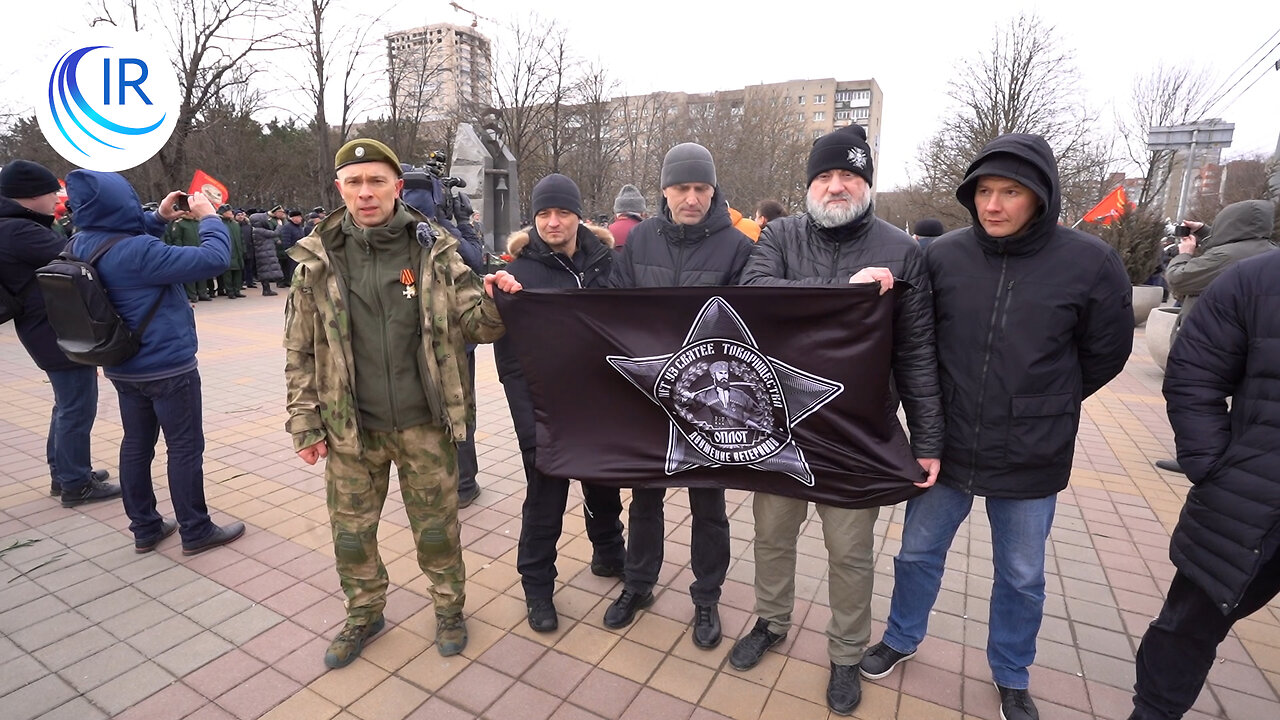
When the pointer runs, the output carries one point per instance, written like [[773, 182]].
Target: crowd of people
[[1001, 330]]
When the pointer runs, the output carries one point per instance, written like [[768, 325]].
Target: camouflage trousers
[[427, 465]]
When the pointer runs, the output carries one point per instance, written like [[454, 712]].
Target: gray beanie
[[629, 200], [687, 163]]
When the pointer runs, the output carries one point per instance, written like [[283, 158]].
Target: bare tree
[[527, 84], [213, 45], [1165, 96], [599, 139], [332, 55], [1025, 82], [417, 73]]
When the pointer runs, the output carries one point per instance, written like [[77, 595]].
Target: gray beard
[[835, 217]]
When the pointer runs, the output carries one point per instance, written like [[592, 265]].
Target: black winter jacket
[[1028, 326], [27, 243], [1228, 347], [538, 268], [796, 251], [662, 253]]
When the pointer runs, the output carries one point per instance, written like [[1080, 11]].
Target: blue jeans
[[174, 406], [75, 406], [1019, 529]]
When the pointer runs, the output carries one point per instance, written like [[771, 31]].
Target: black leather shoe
[[167, 528], [623, 610], [466, 498], [750, 648], [268, 292], [606, 568], [1017, 705], [92, 491], [204, 298], [542, 615], [706, 626], [55, 487], [1170, 465], [844, 689], [220, 536]]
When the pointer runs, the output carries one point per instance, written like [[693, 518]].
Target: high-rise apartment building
[[437, 69]]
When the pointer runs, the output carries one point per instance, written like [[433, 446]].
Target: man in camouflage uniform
[[232, 280], [378, 317], [185, 232]]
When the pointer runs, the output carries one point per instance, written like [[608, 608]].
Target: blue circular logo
[[108, 103]]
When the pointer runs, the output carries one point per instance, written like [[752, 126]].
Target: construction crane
[[475, 17]]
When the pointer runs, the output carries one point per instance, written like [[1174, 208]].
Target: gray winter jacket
[[1240, 231]]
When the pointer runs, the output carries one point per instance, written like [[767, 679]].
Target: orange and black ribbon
[[406, 277]]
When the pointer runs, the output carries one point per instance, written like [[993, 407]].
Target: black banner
[[782, 390]]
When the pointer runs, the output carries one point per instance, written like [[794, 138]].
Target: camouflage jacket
[[317, 338]]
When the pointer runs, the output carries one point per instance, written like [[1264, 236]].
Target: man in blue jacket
[[28, 195], [159, 388]]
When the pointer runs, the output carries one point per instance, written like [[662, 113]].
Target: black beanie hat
[[929, 227], [25, 179], [843, 149], [557, 191], [295, 213]]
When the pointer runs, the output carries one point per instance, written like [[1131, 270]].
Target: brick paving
[[89, 629]]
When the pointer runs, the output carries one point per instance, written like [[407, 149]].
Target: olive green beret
[[366, 150]]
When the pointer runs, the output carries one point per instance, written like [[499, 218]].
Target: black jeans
[[710, 542], [1178, 649], [543, 520]]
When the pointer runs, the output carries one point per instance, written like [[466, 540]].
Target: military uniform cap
[[366, 150]]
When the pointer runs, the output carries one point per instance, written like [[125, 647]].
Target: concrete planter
[[1159, 333], [1145, 299]]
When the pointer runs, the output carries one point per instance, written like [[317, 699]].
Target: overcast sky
[[910, 48]]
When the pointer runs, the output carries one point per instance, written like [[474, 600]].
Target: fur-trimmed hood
[[519, 240]]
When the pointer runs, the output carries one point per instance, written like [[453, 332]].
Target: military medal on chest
[[406, 279]]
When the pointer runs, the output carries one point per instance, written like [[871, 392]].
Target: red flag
[[207, 184], [1112, 206]]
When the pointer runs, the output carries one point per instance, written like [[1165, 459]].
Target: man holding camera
[[1240, 231]]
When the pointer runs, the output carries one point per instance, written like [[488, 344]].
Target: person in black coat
[[557, 252], [1031, 318], [840, 241], [28, 195], [1226, 546], [691, 242]]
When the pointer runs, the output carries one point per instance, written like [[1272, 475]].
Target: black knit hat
[[295, 213], [843, 149], [929, 227], [687, 163], [557, 191], [25, 179]]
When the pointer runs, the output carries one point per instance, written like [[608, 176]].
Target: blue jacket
[[142, 268]]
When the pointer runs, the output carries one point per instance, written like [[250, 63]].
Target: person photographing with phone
[[1240, 231], [159, 387]]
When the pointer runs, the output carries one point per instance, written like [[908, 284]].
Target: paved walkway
[[89, 629]]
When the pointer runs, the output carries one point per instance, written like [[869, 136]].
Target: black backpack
[[89, 329]]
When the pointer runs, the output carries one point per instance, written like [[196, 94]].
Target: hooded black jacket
[[1028, 326], [1229, 347], [538, 268], [27, 243], [796, 251], [662, 253]]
